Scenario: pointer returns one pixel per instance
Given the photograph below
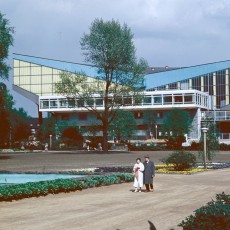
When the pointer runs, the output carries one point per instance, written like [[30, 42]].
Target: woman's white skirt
[[138, 182]]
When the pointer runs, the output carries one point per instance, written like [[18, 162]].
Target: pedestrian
[[99, 147], [85, 146], [138, 169], [149, 173]]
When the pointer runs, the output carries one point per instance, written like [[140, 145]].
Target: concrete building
[[203, 90]]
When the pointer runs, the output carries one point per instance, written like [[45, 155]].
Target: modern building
[[203, 90]]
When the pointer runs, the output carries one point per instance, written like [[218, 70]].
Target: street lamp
[[50, 141], [156, 132], [205, 130]]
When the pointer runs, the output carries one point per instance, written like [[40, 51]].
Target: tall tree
[[19, 124], [109, 46], [123, 125], [176, 124], [6, 104], [6, 40], [47, 128]]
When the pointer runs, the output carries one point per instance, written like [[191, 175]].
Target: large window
[[82, 116], [157, 100], [196, 83], [138, 115], [147, 100], [178, 99], [167, 99]]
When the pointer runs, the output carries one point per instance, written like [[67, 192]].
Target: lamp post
[[205, 130], [10, 137], [156, 132], [50, 141]]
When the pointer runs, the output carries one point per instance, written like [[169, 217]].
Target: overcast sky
[[166, 32]]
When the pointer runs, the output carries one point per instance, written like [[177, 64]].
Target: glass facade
[[34, 78], [215, 84]]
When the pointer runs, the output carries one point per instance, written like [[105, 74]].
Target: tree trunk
[[105, 138]]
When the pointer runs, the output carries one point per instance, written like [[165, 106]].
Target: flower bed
[[159, 168], [217, 165], [43, 188]]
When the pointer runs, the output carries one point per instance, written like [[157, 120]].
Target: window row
[[126, 101]]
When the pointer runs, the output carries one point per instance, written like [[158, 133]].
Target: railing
[[224, 136], [176, 98], [215, 115]]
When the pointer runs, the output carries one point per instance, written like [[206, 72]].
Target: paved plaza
[[58, 161], [111, 207]]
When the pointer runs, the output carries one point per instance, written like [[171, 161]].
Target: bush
[[214, 215], [181, 160], [43, 188], [72, 137]]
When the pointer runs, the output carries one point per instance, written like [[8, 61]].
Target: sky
[[171, 33]]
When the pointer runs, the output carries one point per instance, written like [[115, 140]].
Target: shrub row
[[113, 169], [43, 188], [214, 215]]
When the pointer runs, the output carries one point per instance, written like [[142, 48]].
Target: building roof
[[160, 69], [89, 70], [155, 76], [179, 74]]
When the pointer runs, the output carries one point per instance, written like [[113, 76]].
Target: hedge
[[214, 215], [43, 188]]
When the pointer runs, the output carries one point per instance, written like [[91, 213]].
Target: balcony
[[150, 100]]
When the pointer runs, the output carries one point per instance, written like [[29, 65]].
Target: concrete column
[[214, 90], [190, 84], [202, 83], [198, 123], [178, 85], [227, 87]]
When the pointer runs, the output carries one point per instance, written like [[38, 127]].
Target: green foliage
[[19, 124], [109, 46], [6, 40], [14, 122], [211, 141], [47, 128], [176, 124], [72, 137], [214, 215], [123, 125], [43, 188], [6, 104], [181, 160], [150, 118]]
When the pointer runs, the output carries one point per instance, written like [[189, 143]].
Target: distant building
[[203, 90]]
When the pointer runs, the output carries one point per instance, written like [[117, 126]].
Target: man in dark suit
[[149, 173]]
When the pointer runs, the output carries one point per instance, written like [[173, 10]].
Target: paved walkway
[[58, 161], [117, 207]]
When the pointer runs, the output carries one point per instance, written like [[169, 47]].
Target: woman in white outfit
[[138, 170]]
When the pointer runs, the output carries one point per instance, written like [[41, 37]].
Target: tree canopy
[[6, 40], [6, 105], [109, 46], [123, 125], [19, 123], [176, 124]]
